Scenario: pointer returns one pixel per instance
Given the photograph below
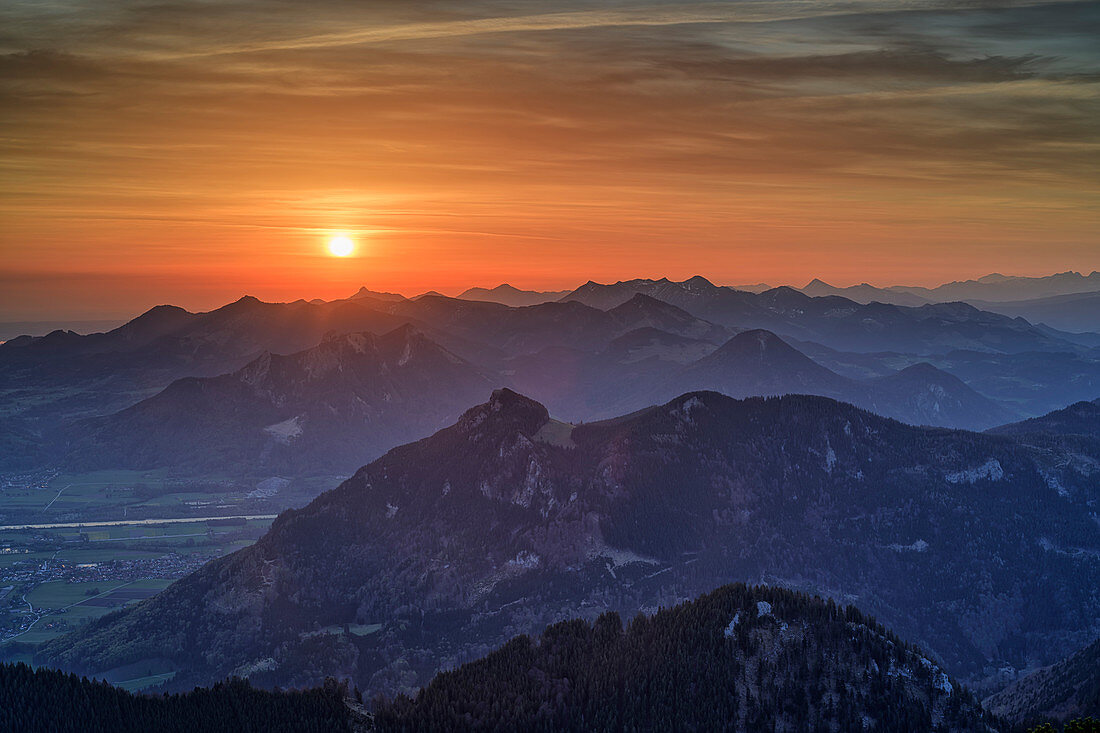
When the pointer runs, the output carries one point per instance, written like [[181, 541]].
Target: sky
[[193, 151]]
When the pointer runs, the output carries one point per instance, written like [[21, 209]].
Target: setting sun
[[341, 246]]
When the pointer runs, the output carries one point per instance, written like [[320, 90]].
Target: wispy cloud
[[590, 123]]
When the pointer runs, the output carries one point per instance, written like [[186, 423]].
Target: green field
[[69, 604], [105, 494], [73, 604], [7, 561], [118, 494], [69, 492], [127, 542], [58, 594], [33, 560]]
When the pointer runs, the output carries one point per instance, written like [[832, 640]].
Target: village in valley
[[75, 547]]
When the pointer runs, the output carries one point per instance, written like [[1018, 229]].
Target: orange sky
[[189, 153]]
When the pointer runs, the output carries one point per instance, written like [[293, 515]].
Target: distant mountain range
[[508, 295], [94, 374], [990, 289], [647, 365], [332, 408], [509, 520], [1029, 382], [837, 322], [864, 293], [14, 329], [760, 363], [1068, 301], [997, 287], [365, 293], [1074, 312], [343, 403], [599, 351]]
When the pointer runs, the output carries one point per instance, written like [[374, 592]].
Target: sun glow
[[341, 246]]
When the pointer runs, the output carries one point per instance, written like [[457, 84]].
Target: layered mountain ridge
[[332, 407], [835, 321], [347, 400]]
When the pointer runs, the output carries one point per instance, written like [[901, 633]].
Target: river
[[121, 522]]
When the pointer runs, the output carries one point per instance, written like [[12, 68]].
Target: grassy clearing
[[139, 675], [557, 433]]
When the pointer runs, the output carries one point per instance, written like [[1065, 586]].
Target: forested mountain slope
[[37, 701], [1067, 689], [1080, 418], [508, 521], [737, 659]]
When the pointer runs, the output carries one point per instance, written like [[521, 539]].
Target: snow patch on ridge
[[525, 559], [1053, 482], [285, 431], [991, 470], [406, 355], [691, 404], [918, 546]]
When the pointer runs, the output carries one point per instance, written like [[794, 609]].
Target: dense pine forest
[[44, 701], [738, 659]]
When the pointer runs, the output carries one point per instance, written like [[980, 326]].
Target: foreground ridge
[[738, 659], [48, 700]]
